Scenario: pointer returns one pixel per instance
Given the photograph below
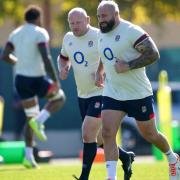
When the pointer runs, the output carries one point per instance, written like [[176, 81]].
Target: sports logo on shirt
[[90, 43], [117, 38], [97, 105], [144, 109]]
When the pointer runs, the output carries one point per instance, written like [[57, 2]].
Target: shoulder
[[41, 30], [68, 35], [15, 31], [132, 27]]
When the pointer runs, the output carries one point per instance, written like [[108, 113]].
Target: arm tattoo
[[149, 53]]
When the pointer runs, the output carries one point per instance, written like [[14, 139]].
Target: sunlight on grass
[[141, 171]]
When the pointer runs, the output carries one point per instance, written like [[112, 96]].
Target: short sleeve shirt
[[25, 40], [119, 43], [83, 54]]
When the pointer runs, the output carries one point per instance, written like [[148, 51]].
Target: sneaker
[[30, 163], [127, 166], [174, 170], [38, 129]]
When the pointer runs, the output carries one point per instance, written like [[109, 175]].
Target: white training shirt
[[119, 43], [25, 40], [83, 54]]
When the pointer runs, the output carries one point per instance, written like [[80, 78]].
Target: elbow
[[156, 56]]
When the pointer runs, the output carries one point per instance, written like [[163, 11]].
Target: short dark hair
[[32, 13]]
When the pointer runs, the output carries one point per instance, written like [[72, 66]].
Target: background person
[[28, 49]]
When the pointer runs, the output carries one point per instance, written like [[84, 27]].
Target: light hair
[[79, 10], [110, 3]]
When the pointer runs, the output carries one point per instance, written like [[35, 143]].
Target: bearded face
[[107, 26]]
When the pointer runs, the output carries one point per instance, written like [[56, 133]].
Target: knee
[[87, 137], [107, 133], [58, 99]]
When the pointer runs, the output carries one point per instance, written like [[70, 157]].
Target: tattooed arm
[[149, 53]]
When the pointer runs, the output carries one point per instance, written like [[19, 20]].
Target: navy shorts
[[140, 109], [90, 106], [28, 87]]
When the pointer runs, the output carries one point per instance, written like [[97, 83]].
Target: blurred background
[[160, 18]]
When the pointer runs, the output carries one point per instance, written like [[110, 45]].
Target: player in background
[[79, 50], [125, 50], [28, 50]]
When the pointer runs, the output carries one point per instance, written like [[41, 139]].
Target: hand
[[99, 80], [53, 88], [64, 72], [121, 66]]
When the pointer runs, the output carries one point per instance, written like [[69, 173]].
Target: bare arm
[[47, 59], [100, 76], [7, 54], [64, 66], [149, 55]]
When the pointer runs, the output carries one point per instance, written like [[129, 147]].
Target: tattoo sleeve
[[149, 54]]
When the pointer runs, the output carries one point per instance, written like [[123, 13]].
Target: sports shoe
[[30, 163], [174, 170], [38, 129], [127, 165]]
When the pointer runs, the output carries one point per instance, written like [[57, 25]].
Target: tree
[[137, 11]]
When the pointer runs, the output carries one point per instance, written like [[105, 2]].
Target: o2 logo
[[108, 54], [79, 58]]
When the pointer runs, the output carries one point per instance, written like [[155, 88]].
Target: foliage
[[138, 11]]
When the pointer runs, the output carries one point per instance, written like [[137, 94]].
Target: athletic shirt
[[119, 43], [25, 40], [83, 54]]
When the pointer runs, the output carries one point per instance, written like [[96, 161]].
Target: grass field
[[64, 171]]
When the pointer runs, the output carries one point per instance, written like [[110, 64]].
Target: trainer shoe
[[174, 170], [30, 163], [127, 165], [38, 129]]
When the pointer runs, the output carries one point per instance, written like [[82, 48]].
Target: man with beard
[[125, 50], [79, 50]]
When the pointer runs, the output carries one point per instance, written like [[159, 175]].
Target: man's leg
[[126, 157], [31, 109], [111, 122], [90, 128], [150, 133], [53, 104]]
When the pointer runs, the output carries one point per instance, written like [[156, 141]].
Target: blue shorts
[[28, 87], [140, 109], [90, 106]]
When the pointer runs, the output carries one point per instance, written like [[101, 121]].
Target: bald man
[[79, 50], [125, 50]]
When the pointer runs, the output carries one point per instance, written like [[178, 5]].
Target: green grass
[[141, 171]]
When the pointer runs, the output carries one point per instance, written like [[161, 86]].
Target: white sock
[[111, 167], [43, 116], [29, 152], [171, 156]]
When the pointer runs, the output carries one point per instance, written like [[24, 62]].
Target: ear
[[88, 19]]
